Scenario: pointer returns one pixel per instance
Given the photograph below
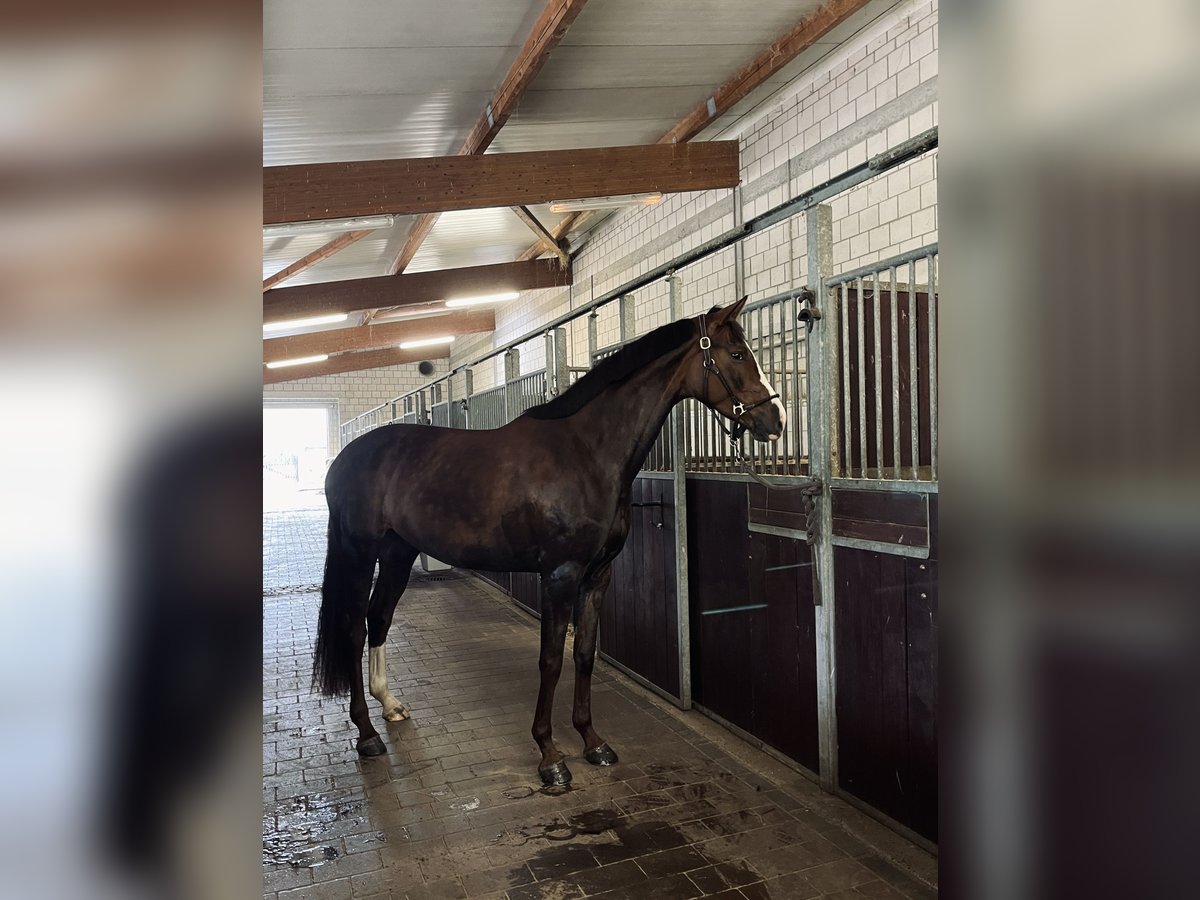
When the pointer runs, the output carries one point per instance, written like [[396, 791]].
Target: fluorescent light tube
[[426, 342], [483, 298], [304, 323], [324, 226], [298, 361], [565, 206]]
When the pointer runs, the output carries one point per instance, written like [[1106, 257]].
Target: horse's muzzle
[[766, 423]]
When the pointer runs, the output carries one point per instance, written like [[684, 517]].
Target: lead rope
[[810, 487]]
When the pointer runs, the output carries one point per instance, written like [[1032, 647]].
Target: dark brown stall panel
[[639, 624], [886, 635], [753, 645], [526, 590], [502, 580], [890, 517]]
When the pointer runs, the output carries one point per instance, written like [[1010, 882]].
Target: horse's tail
[[335, 663]]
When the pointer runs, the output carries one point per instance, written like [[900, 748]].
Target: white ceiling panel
[[518, 137], [671, 23], [374, 126], [472, 237], [381, 70], [579, 68], [549, 107], [397, 23]]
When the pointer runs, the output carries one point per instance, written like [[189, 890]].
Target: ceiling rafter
[[378, 337], [549, 29], [354, 362], [547, 240], [325, 250], [781, 51], [411, 289]]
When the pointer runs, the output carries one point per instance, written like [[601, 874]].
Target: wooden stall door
[[639, 621], [886, 640], [753, 643]]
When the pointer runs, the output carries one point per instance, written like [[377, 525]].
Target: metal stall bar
[[931, 320], [913, 393], [847, 425], [876, 329], [893, 314], [862, 385]]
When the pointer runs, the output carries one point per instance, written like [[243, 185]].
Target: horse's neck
[[622, 423]]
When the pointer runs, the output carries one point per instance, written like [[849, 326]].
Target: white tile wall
[[356, 392]]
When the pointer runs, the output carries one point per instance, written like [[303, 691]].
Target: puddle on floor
[[293, 834]]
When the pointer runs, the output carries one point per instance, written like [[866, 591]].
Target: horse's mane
[[615, 369]]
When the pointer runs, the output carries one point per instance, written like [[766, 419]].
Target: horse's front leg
[[587, 626], [559, 590]]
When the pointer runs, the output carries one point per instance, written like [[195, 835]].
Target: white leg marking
[[777, 403], [393, 711]]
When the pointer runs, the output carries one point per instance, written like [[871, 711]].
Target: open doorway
[[297, 448]]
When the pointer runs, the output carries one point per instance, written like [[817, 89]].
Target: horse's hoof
[[603, 755], [372, 746], [399, 714], [557, 774]]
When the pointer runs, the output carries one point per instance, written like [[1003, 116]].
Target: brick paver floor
[[456, 810]]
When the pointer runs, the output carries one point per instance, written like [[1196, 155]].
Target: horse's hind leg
[[395, 565], [343, 630], [587, 623]]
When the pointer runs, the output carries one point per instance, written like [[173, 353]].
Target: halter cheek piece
[[710, 368]]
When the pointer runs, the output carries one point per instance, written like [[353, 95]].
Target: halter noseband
[[710, 368]]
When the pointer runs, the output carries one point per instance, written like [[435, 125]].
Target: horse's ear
[[723, 314]]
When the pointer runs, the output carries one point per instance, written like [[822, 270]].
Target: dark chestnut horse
[[547, 493]]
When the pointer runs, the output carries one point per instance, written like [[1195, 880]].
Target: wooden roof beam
[[547, 32], [378, 337], [354, 362], [303, 193], [305, 262], [547, 240], [413, 289]]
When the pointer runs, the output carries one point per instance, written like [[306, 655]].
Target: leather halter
[[710, 368]]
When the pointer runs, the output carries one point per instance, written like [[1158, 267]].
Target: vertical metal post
[[593, 337], [548, 368], [562, 368], [468, 389], [512, 387], [822, 391], [739, 249], [682, 603], [421, 408], [628, 318]]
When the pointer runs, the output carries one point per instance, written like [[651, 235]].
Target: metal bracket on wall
[[809, 314]]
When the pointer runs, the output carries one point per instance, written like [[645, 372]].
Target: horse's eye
[[738, 355]]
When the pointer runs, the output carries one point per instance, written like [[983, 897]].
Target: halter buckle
[[705, 342], [739, 408]]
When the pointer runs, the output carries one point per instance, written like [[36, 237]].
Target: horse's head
[[729, 379]]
